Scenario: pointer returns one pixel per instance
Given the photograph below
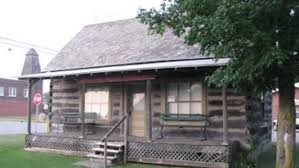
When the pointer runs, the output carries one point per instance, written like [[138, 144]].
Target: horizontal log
[[64, 105], [65, 97], [241, 109], [63, 110], [229, 112], [72, 90]]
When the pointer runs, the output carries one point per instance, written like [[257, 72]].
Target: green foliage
[[246, 31]]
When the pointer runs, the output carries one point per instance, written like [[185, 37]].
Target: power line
[[14, 45], [29, 44]]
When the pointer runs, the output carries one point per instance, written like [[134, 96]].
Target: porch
[[179, 152], [136, 102]]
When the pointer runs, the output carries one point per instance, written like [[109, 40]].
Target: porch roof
[[204, 62]]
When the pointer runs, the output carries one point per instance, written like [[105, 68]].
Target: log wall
[[66, 96]]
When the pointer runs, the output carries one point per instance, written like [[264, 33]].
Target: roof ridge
[[110, 22]]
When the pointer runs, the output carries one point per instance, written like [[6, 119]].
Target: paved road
[[18, 127], [274, 136]]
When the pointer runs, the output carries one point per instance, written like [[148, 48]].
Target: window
[[1, 91], [25, 93], [97, 100], [12, 92], [184, 98]]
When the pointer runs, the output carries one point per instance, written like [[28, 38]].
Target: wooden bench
[[73, 120], [185, 120]]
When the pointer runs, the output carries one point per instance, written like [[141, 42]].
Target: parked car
[[297, 122]]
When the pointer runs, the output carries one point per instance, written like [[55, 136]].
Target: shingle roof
[[119, 43]]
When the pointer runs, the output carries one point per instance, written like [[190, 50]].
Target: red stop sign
[[37, 99]]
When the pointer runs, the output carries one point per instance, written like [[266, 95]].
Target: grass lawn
[[13, 155], [267, 159]]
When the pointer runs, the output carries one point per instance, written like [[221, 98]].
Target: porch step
[[101, 157], [108, 150], [112, 144], [114, 152]]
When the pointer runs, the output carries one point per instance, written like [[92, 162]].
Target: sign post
[[37, 99]]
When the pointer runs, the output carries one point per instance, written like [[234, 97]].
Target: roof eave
[[210, 62]]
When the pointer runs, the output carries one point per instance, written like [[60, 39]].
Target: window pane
[[88, 97], [196, 108], [138, 102], [184, 108], [184, 92], [104, 96], [87, 108], [96, 108], [172, 92], [196, 91], [104, 111], [96, 100], [173, 108]]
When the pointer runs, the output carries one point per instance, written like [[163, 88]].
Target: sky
[[51, 24]]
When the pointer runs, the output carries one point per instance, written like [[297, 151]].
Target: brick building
[[14, 93], [13, 97], [275, 102]]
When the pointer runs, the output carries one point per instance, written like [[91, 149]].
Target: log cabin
[[119, 93]]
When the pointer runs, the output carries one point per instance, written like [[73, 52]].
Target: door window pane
[[138, 102]]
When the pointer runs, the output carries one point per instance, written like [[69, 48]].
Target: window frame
[[190, 101], [9, 92], [27, 93], [2, 91], [99, 121]]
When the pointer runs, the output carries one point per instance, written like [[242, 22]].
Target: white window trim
[[25, 93], [1, 91], [12, 92]]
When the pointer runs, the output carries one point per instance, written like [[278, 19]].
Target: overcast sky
[[52, 23]]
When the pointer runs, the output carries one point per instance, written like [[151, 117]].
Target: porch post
[[50, 105], [148, 110], [224, 116], [126, 124], [122, 112], [83, 88], [29, 107]]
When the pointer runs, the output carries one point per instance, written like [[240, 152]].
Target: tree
[[261, 38]]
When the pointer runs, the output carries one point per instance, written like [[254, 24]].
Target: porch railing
[[107, 135]]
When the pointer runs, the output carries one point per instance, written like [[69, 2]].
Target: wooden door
[[136, 109]]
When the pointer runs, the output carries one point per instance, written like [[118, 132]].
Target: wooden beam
[[50, 104], [148, 110], [122, 111], [29, 107], [126, 124], [82, 99], [224, 111]]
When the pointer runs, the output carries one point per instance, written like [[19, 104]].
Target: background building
[[13, 97], [14, 93]]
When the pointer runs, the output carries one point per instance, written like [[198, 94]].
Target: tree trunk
[[285, 154]]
